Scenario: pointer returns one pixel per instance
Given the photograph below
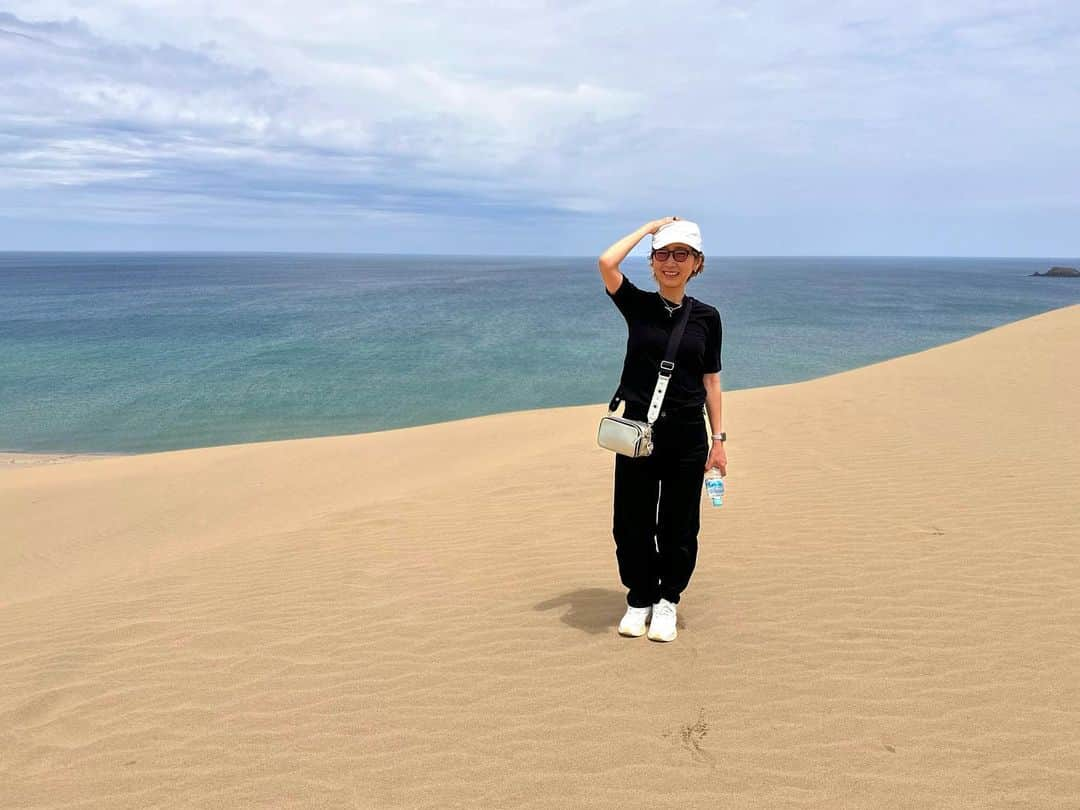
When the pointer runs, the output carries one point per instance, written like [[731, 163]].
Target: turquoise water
[[147, 352]]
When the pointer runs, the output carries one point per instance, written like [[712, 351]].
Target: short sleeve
[[628, 298], [712, 345]]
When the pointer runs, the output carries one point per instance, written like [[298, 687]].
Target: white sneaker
[[662, 627], [633, 621]]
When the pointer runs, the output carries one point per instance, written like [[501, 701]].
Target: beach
[[884, 613]]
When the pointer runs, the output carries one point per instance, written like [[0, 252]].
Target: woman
[[657, 503]]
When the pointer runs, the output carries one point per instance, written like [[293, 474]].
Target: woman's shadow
[[594, 610]]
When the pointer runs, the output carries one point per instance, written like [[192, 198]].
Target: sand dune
[[885, 613]]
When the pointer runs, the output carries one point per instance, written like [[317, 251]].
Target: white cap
[[679, 230]]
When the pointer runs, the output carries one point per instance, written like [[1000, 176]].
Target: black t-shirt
[[649, 326]]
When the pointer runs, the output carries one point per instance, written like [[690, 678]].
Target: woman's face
[[672, 273]]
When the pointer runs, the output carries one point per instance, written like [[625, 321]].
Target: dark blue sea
[[122, 353]]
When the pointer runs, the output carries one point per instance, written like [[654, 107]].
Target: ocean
[[143, 352]]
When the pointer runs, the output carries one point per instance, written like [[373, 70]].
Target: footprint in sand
[[690, 736]]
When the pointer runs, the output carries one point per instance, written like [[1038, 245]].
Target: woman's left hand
[[717, 458]]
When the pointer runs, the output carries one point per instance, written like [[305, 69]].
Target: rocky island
[[1059, 272]]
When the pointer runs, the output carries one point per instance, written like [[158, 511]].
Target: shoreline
[[10, 459], [18, 458]]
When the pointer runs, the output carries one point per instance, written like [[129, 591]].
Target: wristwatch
[[719, 437]]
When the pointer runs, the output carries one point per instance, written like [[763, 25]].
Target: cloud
[[535, 112], [82, 110]]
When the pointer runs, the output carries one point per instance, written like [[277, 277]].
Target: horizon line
[[136, 252]]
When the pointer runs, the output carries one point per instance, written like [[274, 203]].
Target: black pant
[[656, 544]]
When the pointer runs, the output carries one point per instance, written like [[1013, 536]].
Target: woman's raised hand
[[657, 224]]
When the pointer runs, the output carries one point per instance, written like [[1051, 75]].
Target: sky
[[533, 127]]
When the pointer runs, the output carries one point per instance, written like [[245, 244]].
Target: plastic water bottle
[[715, 486]]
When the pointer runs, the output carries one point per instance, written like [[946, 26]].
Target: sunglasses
[[681, 255]]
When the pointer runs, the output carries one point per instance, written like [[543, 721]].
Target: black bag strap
[[668, 363]]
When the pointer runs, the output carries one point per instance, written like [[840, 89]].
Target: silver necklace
[[670, 308]]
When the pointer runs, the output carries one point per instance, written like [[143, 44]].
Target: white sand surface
[[885, 612]]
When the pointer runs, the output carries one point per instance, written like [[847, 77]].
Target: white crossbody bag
[[629, 437]]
